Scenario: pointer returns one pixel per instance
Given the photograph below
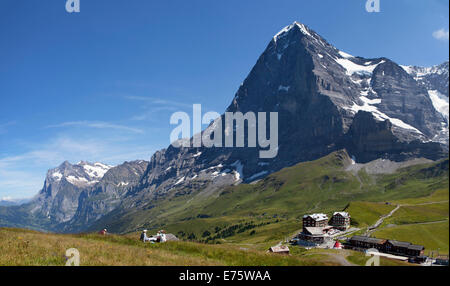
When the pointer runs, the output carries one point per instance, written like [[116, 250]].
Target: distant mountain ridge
[[435, 80], [69, 189], [13, 202], [327, 100], [435, 77]]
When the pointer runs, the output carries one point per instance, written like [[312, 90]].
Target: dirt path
[[422, 204], [372, 228], [340, 258], [418, 223]]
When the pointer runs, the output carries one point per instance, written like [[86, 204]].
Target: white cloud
[[97, 124], [153, 105], [441, 34]]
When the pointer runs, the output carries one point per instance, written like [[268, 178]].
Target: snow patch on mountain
[[197, 154], [345, 55], [239, 173], [368, 106], [79, 180], [57, 176], [97, 170], [420, 72], [352, 67], [440, 102], [179, 181], [286, 29], [123, 184], [257, 175]]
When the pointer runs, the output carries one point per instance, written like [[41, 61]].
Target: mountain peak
[[303, 29], [81, 174], [65, 164]]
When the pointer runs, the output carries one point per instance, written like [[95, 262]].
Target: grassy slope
[[440, 195], [270, 210], [22, 247], [433, 236], [247, 219], [367, 213], [27, 248], [422, 221], [419, 214]]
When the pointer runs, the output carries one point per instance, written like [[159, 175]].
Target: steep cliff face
[[58, 199], [326, 100], [435, 81], [75, 195], [368, 139], [103, 197], [431, 78]]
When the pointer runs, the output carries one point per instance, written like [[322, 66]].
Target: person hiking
[[143, 235], [145, 238], [162, 236]]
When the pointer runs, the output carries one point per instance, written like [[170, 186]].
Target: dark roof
[[381, 241], [416, 247], [399, 243], [367, 239]]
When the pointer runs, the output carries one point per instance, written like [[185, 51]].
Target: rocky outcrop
[[75, 195], [106, 195]]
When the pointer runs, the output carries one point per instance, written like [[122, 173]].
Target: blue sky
[[101, 85]]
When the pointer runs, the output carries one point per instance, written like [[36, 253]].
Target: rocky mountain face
[[58, 199], [435, 81], [326, 100], [77, 194], [106, 195], [432, 78]]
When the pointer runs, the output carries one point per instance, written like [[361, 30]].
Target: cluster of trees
[[214, 236], [231, 231]]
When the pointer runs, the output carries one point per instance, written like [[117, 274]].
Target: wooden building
[[315, 234], [340, 220], [403, 248], [386, 246], [315, 220], [366, 242], [279, 249]]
